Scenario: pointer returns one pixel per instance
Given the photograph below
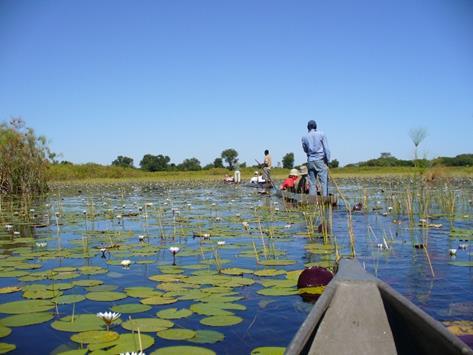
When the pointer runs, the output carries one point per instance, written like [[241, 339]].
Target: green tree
[[218, 163], [155, 162], [23, 159], [230, 156], [333, 164], [288, 161], [191, 164], [126, 162]]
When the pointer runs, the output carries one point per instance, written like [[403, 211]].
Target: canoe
[[360, 314], [305, 199], [259, 185]]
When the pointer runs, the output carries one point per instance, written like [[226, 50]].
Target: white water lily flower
[[125, 263], [16, 233], [8, 227], [380, 246], [149, 204], [108, 317], [463, 246], [41, 244], [174, 250], [452, 252], [276, 208], [221, 242], [141, 238], [133, 353], [119, 216], [390, 208], [288, 226]]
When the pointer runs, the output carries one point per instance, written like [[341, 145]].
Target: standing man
[[315, 145], [267, 164]]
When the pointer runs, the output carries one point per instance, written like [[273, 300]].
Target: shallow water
[[178, 212]]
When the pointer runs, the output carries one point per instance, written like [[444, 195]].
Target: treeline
[[387, 160]]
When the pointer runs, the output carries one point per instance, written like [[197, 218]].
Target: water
[[178, 212]]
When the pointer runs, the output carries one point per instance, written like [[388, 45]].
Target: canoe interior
[[412, 330]]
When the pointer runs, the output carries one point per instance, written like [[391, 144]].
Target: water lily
[[245, 225], [133, 353], [380, 245], [452, 252], [41, 244], [174, 251], [276, 208], [108, 317], [84, 212], [125, 263], [149, 204], [16, 233], [463, 246], [221, 242], [8, 227], [141, 238]]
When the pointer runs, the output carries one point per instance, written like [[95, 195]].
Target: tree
[[230, 156], [417, 135], [155, 162], [288, 161], [333, 164], [23, 159], [191, 164], [125, 162], [218, 163]]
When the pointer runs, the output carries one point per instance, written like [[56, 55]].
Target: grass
[[100, 173]]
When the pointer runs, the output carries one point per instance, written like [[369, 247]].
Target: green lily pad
[[94, 336], [174, 313], [92, 270], [4, 331], [158, 300], [277, 262], [69, 299], [105, 296], [131, 308], [141, 292], [6, 348], [208, 309], [147, 324], [87, 283], [9, 289], [166, 278], [80, 323], [207, 337], [236, 271], [42, 294], [176, 334], [221, 321], [125, 343], [268, 350], [60, 286], [26, 306], [270, 272], [179, 350], [24, 319], [461, 263]]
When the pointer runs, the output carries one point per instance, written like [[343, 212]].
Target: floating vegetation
[[208, 265]]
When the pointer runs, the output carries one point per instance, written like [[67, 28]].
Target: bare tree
[[417, 135]]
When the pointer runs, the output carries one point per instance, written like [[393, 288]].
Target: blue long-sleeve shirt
[[315, 145]]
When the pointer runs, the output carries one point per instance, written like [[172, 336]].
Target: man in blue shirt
[[315, 145]]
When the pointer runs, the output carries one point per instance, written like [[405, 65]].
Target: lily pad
[[277, 262], [142, 292], [208, 309], [6, 348], [270, 272], [268, 350], [221, 321], [236, 271], [4, 331], [94, 336], [174, 313], [105, 296], [147, 324], [69, 299], [87, 283], [131, 308], [158, 300], [461, 263], [207, 337], [26, 306], [9, 289], [80, 323], [24, 319], [125, 343], [179, 350], [277, 291], [176, 334]]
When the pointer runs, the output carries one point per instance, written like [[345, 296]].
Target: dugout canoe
[[360, 314], [305, 199]]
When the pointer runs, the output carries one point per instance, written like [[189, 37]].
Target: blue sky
[[192, 78]]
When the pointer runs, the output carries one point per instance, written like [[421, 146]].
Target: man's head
[[311, 125], [266, 152]]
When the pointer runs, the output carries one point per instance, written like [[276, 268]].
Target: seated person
[[254, 179], [290, 183], [228, 178], [303, 184]]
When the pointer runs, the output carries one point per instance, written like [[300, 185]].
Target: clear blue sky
[[191, 78]]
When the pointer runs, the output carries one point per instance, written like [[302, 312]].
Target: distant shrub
[[23, 159]]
